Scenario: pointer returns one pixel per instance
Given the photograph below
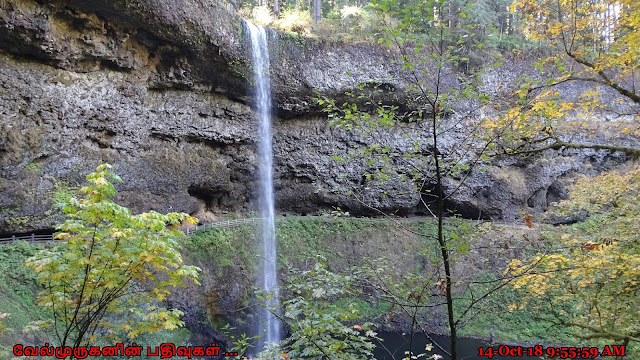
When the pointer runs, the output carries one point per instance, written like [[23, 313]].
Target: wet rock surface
[[162, 90]]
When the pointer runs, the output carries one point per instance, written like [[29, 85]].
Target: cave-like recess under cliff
[[162, 90]]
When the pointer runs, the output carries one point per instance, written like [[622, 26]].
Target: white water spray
[[269, 325]]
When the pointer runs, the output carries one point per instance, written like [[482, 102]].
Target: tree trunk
[[446, 260], [316, 10], [451, 21]]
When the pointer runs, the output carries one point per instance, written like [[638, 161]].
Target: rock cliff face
[[162, 90]]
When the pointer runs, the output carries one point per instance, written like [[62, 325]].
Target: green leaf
[[106, 250]]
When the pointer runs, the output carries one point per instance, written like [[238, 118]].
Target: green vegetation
[[18, 290], [18, 285], [320, 327], [227, 248], [18, 221], [583, 285], [518, 325], [95, 276], [595, 266], [589, 283], [372, 311], [350, 243], [31, 166], [301, 239], [428, 43], [486, 22], [62, 192], [298, 238]]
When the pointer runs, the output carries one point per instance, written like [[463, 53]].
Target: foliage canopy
[[596, 268], [532, 119], [112, 269], [587, 84], [320, 329]]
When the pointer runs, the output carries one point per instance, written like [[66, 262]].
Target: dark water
[[396, 345]]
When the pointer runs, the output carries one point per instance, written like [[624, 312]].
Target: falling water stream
[[269, 326]]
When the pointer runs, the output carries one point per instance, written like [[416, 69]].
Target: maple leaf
[[588, 245], [527, 220]]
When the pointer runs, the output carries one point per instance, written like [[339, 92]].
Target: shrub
[[295, 21]]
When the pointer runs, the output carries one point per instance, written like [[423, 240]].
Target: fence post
[[196, 227], [187, 230], [13, 238], [33, 237]]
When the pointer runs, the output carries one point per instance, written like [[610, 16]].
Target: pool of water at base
[[395, 344]]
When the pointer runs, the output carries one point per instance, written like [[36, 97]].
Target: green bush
[[295, 21]]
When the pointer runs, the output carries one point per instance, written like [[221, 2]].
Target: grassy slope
[[17, 292], [347, 242]]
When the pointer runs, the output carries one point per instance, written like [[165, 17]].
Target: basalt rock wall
[[163, 90]]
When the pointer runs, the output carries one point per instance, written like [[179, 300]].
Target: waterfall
[[269, 326]]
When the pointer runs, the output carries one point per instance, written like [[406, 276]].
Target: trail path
[[241, 221]]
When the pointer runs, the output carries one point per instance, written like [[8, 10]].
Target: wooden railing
[[224, 224], [188, 230], [30, 238]]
